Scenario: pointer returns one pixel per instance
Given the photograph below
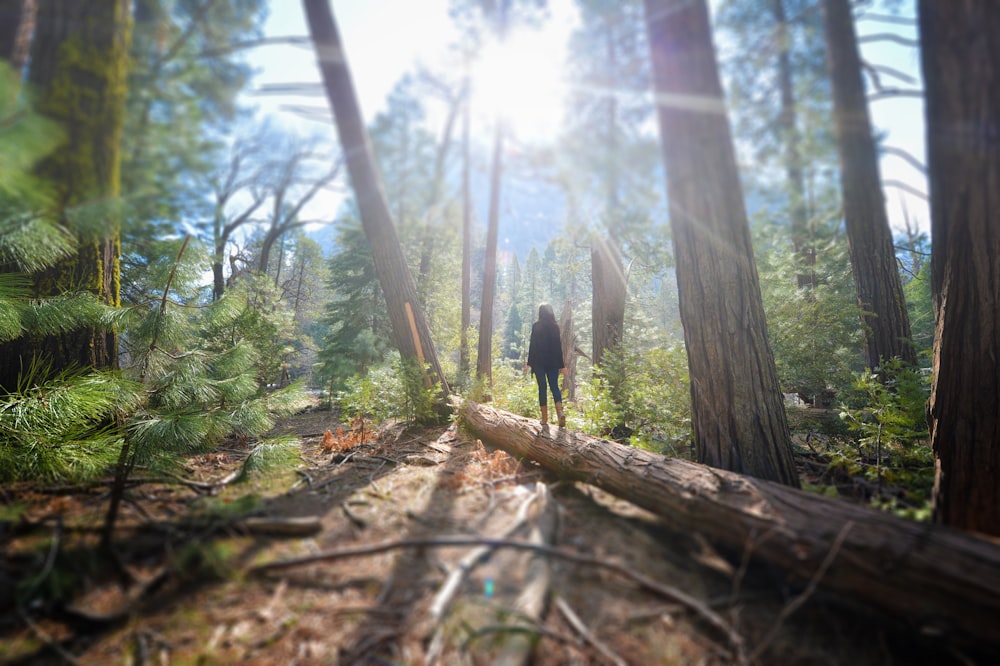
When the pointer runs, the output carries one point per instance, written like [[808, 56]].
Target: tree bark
[[409, 327], [568, 340], [484, 358], [608, 302], [938, 580], [884, 319], [79, 69], [463, 362], [960, 58], [792, 139], [17, 23], [738, 414]]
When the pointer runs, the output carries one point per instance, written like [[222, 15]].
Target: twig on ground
[[353, 517], [699, 608], [587, 635], [43, 636]]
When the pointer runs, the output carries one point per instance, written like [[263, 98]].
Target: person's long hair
[[546, 314]]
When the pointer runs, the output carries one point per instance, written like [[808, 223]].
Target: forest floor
[[635, 592]]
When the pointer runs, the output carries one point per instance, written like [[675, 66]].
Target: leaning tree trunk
[[737, 409], [79, 69], [935, 578], [884, 319], [961, 60], [409, 328]]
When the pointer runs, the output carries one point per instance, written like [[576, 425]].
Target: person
[[545, 358]]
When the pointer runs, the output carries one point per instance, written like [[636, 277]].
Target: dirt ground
[[625, 590]]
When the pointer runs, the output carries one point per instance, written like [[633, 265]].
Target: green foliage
[[893, 412], [892, 448], [642, 395], [513, 390], [394, 390], [358, 330], [814, 331], [59, 427]]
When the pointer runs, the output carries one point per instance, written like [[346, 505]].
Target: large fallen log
[[941, 581]]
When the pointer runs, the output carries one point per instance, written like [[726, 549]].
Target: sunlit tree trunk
[[961, 57], [884, 318], [484, 359], [409, 327], [738, 413], [78, 68]]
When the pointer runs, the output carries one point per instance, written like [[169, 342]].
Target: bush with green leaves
[[813, 330], [396, 389], [892, 439], [648, 392]]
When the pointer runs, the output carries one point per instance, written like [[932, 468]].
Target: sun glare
[[522, 80]]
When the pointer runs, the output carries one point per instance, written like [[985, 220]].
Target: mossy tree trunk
[[78, 69], [737, 409], [961, 59]]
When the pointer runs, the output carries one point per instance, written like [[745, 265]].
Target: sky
[[384, 39]]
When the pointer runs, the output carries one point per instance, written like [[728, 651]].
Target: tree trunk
[[79, 69], [792, 139], [960, 60], [934, 578], [17, 23], [608, 301], [568, 340], [484, 359], [410, 330], [884, 319], [434, 206], [737, 409], [463, 362]]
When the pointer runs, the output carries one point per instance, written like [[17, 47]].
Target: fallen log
[[943, 582]]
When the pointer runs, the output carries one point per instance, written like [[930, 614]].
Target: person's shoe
[[561, 414], [545, 415]]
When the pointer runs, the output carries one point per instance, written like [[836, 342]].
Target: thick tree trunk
[[884, 318], [79, 70], [934, 578], [410, 330], [961, 59], [738, 413], [484, 359]]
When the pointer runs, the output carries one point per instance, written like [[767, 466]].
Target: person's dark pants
[[552, 376]]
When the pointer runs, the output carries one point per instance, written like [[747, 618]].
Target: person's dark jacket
[[545, 348]]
